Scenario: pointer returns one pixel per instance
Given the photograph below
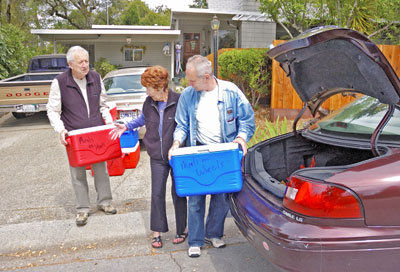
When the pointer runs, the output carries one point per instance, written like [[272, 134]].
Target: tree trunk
[[8, 11], [1, 11], [285, 28]]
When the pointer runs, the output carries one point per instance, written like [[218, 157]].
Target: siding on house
[[152, 56], [239, 5], [249, 5], [224, 4], [257, 34]]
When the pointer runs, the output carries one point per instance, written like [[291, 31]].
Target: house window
[[133, 54], [227, 39]]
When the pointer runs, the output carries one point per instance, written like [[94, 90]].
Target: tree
[[138, 13], [199, 4], [78, 13], [20, 13], [110, 12], [387, 28], [366, 16], [15, 50]]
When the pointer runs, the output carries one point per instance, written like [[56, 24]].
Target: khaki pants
[[80, 185]]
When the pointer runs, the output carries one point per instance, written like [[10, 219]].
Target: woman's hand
[[117, 131]]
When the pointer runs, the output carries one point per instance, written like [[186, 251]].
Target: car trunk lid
[[328, 60]]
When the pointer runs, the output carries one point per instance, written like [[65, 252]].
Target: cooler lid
[[90, 129], [204, 149], [127, 150]]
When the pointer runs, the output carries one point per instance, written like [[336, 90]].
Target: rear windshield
[[124, 84], [359, 120], [48, 64]]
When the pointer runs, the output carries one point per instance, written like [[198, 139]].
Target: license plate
[[29, 108], [128, 114]]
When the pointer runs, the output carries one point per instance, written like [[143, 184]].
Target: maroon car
[[326, 198]]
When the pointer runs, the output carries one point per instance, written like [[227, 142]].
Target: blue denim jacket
[[235, 113]]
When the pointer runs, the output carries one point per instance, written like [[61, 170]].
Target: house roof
[[107, 32]]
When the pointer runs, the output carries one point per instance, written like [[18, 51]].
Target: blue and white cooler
[[207, 169]]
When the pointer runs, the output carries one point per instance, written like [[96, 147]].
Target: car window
[[123, 84], [48, 64], [359, 119]]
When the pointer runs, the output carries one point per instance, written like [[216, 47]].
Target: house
[[241, 26]]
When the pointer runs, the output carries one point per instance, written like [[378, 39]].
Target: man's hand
[[117, 131], [174, 146], [63, 135], [242, 143]]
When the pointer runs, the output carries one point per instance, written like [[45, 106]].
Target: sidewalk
[[51, 234], [103, 228]]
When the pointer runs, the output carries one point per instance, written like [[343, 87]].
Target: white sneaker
[[215, 242], [194, 252]]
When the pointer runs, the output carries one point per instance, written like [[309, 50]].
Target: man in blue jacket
[[210, 111]]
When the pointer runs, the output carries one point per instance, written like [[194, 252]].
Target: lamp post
[[215, 27]]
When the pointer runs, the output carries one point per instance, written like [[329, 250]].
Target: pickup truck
[[25, 94]]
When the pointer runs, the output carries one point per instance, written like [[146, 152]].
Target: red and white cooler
[[132, 156], [92, 145]]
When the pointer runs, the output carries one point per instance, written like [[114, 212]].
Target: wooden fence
[[284, 98]]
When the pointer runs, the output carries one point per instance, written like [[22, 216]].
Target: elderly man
[[77, 100], [210, 111]]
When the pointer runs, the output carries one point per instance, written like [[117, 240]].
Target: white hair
[[201, 64], [73, 50]]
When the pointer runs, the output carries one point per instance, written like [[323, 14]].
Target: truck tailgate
[[24, 93]]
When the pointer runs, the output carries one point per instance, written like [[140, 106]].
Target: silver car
[[126, 93]]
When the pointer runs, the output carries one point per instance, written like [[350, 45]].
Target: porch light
[[215, 23]]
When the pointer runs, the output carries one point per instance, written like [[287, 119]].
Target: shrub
[[103, 66], [15, 50], [249, 69]]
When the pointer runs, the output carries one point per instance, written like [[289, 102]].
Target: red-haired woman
[[158, 115]]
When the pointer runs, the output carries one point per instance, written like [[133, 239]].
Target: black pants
[[160, 170]]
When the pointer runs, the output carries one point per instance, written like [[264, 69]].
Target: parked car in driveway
[[126, 93], [325, 198]]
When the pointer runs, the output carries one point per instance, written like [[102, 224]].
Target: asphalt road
[[37, 216]]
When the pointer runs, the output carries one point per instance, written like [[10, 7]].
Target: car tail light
[[312, 198]]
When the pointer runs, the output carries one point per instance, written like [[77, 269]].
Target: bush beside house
[[249, 69]]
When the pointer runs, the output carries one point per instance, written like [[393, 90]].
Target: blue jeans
[[217, 212]]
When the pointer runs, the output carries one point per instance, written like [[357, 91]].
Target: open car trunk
[[272, 162]]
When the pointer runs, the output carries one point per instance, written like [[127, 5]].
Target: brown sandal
[[178, 237], [157, 242]]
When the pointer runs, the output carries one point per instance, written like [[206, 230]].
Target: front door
[[191, 46]]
